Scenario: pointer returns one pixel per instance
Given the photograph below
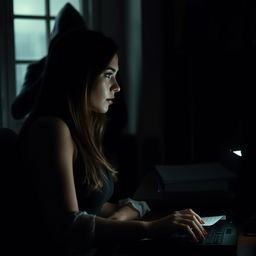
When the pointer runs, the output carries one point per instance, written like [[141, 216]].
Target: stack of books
[[212, 176]]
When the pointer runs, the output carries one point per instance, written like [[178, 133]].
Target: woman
[[69, 181]]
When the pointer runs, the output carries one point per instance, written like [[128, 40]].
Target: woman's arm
[[108, 209], [115, 212], [52, 150], [186, 220]]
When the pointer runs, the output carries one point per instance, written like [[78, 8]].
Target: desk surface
[[160, 201]]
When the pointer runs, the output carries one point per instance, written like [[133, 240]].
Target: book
[[216, 185], [195, 177]]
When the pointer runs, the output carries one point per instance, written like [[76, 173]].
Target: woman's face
[[104, 87]]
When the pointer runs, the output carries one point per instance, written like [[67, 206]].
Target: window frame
[[7, 53], [7, 67]]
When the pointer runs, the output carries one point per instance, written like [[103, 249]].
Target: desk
[[148, 191], [246, 245]]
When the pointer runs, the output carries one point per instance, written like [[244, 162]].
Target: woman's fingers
[[197, 216], [192, 223], [189, 230], [196, 228], [196, 222], [190, 211], [194, 236]]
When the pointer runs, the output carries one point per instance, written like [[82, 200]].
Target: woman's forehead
[[113, 63]]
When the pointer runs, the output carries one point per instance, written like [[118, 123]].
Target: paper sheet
[[209, 221]]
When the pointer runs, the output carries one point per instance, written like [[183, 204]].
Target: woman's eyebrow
[[110, 68]]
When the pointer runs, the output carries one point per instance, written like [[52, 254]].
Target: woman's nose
[[116, 87]]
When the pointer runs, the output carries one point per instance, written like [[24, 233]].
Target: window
[[33, 22], [25, 27]]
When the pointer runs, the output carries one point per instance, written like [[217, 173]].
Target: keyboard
[[220, 240], [221, 233], [215, 236]]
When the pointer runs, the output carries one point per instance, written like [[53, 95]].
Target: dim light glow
[[237, 152]]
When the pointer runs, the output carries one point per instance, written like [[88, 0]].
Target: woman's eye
[[108, 75]]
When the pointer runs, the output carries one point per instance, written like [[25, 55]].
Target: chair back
[[8, 139]]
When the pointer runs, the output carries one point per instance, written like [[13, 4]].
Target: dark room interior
[[187, 78]]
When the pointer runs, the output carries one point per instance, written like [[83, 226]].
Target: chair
[[8, 140], [8, 158], [9, 195]]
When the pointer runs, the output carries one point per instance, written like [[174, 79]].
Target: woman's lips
[[110, 101]]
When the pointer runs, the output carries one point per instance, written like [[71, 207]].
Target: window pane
[[56, 5], [29, 7], [30, 39], [52, 22], [20, 74]]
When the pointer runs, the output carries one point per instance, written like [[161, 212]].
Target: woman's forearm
[[108, 209], [113, 211], [117, 230], [125, 213]]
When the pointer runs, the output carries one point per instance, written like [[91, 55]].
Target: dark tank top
[[91, 202]]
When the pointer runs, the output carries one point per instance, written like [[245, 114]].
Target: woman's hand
[[183, 220]]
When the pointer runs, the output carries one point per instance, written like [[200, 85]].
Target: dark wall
[[197, 73], [207, 49]]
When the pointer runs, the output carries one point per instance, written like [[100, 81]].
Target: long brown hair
[[74, 61]]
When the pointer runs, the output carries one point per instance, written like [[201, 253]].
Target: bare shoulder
[[50, 125], [50, 128], [50, 122]]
